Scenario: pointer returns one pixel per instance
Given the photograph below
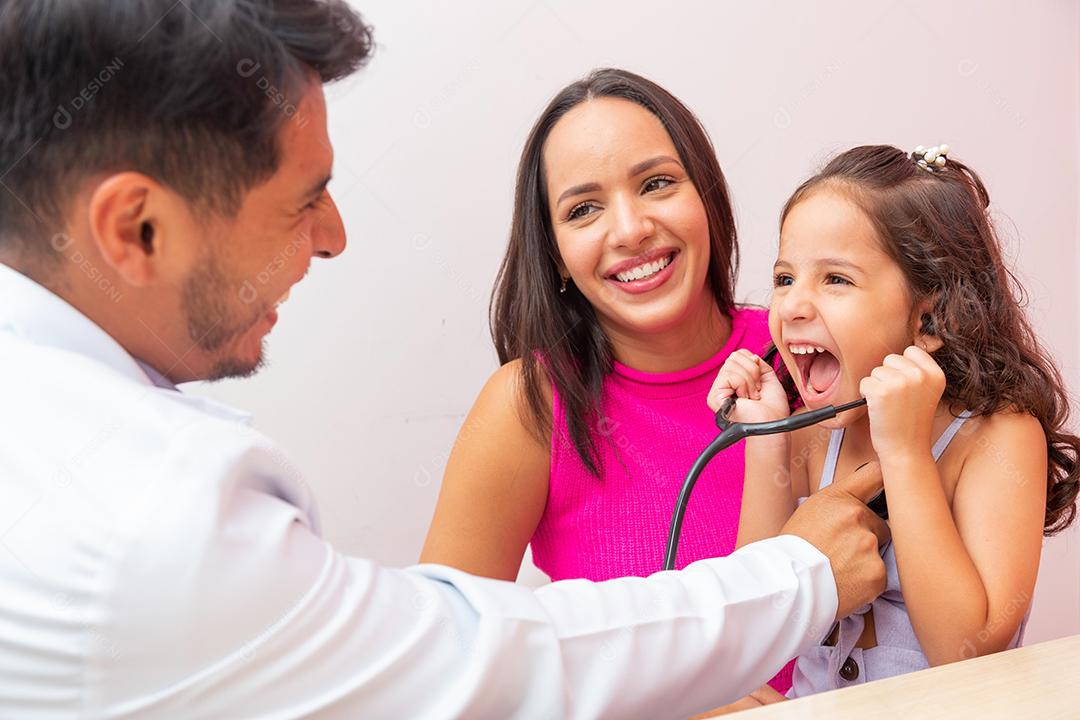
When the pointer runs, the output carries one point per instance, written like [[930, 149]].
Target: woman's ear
[[924, 334]]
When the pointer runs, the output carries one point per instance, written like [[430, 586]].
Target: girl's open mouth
[[819, 372]]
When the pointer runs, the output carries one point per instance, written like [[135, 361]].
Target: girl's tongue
[[824, 367]]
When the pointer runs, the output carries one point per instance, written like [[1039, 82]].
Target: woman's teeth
[[805, 349], [644, 271]]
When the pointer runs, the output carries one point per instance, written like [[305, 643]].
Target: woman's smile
[[645, 273]]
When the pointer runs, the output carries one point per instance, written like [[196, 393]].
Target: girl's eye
[[657, 183], [782, 280], [837, 280], [579, 211]]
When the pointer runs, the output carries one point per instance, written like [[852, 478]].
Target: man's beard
[[215, 317]]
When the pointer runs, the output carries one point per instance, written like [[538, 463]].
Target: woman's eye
[[782, 280], [837, 280], [657, 183], [579, 211]]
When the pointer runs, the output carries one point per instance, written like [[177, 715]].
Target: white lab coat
[[160, 558]]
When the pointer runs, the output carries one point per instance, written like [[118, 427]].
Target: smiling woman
[[612, 311]]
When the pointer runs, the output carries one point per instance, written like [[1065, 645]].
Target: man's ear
[[924, 333], [123, 227]]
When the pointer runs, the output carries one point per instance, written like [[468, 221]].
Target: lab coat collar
[[34, 313]]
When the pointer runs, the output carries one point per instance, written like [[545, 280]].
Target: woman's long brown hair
[[557, 335], [935, 225]]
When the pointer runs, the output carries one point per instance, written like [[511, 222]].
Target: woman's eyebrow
[[651, 163], [635, 170], [578, 190]]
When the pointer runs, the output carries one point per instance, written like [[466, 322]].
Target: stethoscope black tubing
[[730, 434]]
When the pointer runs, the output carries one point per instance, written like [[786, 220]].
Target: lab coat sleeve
[[671, 645], [257, 616]]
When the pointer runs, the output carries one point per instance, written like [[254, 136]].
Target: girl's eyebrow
[[823, 262]]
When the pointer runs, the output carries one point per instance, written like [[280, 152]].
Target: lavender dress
[[828, 667]]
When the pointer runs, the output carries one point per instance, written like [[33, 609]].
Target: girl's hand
[[761, 397], [902, 397]]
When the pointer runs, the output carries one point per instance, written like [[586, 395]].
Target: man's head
[[163, 165]]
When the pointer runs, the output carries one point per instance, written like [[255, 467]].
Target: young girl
[[890, 286], [612, 313]]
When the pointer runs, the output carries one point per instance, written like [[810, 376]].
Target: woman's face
[[630, 225], [840, 303]]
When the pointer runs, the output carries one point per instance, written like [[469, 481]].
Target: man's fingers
[[864, 483], [879, 528]]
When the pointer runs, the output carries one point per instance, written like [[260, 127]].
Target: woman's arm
[[968, 575], [495, 486]]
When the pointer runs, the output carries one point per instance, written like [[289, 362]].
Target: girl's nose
[[630, 227], [794, 304]]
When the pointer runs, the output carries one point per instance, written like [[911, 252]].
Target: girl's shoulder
[[1007, 445], [1001, 436]]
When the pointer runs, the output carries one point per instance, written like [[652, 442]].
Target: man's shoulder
[[65, 409]]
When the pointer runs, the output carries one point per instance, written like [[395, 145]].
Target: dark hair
[[191, 93], [935, 225], [557, 336]]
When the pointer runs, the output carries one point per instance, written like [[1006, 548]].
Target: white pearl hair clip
[[930, 159]]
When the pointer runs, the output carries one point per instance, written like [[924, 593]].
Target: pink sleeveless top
[[658, 423]]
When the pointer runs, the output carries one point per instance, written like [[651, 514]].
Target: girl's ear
[[924, 333]]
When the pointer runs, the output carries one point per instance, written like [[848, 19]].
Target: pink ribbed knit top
[[659, 423]]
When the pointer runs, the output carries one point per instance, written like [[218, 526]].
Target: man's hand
[[837, 522]]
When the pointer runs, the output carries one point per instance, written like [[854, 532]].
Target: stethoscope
[[731, 433]]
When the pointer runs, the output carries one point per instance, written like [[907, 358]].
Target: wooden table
[[1040, 682]]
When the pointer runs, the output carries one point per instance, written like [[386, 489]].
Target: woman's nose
[[328, 232], [631, 226]]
